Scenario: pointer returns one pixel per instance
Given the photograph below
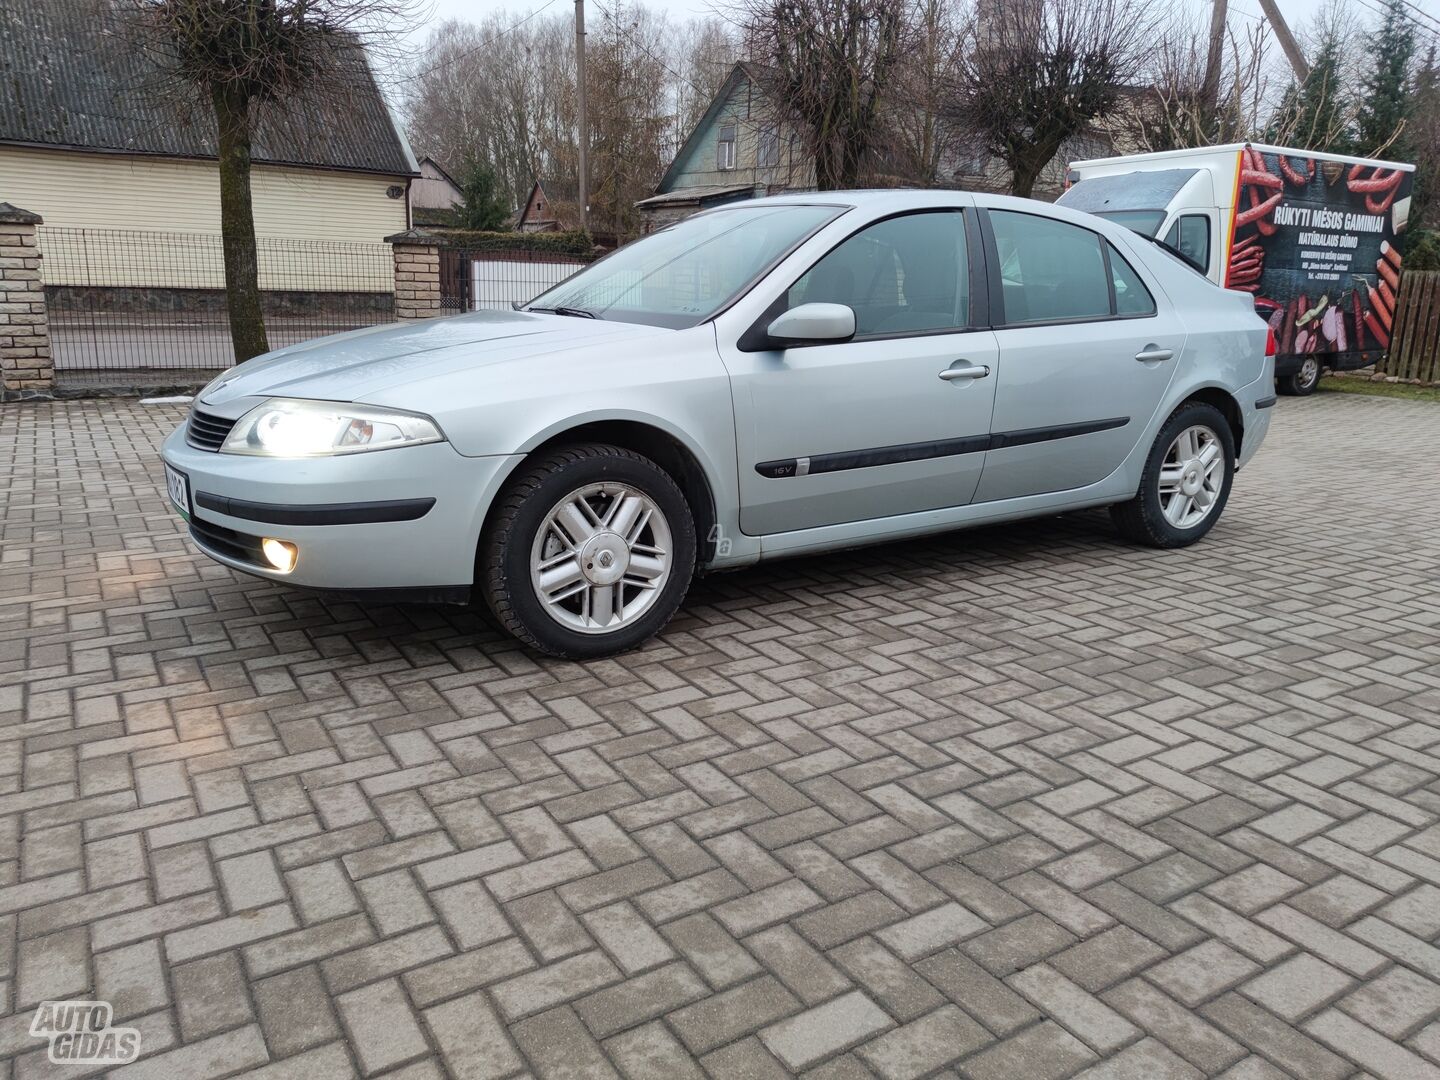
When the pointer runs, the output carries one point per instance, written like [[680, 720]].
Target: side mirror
[[812, 323]]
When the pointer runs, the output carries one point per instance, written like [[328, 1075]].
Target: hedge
[[574, 242]]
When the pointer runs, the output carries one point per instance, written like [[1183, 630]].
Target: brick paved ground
[[1016, 803]]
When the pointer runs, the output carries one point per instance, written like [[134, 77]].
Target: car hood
[[362, 364]]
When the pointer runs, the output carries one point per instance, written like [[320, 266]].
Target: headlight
[[287, 427]]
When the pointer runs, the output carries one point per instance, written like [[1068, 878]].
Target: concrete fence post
[[417, 274], [27, 368]]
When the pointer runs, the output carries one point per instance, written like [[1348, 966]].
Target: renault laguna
[[782, 376]]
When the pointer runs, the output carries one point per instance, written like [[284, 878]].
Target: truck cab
[[1180, 206]]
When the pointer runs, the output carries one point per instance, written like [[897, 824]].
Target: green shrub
[[574, 242], [1422, 251]]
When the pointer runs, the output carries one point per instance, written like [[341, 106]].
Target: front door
[[1087, 350], [892, 422]]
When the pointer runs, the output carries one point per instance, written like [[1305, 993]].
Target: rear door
[[1087, 346], [894, 421]]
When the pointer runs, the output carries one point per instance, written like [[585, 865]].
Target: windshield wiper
[[573, 312]]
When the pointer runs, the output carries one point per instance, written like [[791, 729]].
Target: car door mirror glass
[[813, 323]]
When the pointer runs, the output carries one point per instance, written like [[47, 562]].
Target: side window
[[901, 275], [725, 147], [767, 150], [1131, 295], [1049, 270], [1190, 235]]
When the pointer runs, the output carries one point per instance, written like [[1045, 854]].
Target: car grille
[[242, 547], [206, 431]]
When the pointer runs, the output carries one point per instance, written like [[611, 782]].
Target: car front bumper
[[405, 520]]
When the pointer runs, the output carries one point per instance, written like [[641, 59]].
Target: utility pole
[[1210, 88], [1286, 40], [584, 124]]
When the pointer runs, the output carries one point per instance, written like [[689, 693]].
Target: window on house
[[725, 147], [767, 151]]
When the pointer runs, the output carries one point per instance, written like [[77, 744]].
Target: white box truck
[[1315, 238]]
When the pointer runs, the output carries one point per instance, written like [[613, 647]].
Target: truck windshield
[[682, 275], [1144, 222]]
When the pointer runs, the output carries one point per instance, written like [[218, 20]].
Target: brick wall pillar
[[417, 274], [26, 367]]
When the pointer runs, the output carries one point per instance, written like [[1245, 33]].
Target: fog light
[[281, 554]]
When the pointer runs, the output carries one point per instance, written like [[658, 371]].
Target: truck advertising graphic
[[1317, 244], [1316, 238]]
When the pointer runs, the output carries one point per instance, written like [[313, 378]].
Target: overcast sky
[[1296, 12]]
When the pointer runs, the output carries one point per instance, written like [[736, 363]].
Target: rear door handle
[[1154, 352], [974, 371]]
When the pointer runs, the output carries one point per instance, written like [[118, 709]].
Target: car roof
[[881, 201], [868, 198]]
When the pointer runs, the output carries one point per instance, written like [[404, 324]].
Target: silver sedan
[[776, 377]]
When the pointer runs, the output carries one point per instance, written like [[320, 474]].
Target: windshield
[[682, 275], [1144, 222]]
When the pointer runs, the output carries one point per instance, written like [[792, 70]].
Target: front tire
[[1303, 382], [1186, 481], [590, 552]]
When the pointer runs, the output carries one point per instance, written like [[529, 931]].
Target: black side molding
[[919, 451], [1266, 402], [1025, 436], [366, 513]]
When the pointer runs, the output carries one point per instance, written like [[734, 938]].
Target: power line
[[1423, 14], [1428, 30], [1424, 33]]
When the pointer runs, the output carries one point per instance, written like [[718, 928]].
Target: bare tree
[[503, 93], [250, 58], [1177, 107], [496, 93], [629, 126], [1319, 113], [921, 133], [829, 63], [1039, 72], [706, 51]]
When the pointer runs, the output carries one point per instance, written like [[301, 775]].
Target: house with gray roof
[[93, 135]]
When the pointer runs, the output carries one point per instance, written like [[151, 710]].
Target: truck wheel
[[1302, 382], [590, 552], [1186, 481]]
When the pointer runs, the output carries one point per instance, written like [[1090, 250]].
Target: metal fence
[[498, 276], [149, 307]]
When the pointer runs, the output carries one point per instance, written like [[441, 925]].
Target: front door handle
[[974, 371], [1154, 352]]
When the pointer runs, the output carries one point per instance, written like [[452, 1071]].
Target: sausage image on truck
[[1316, 238]]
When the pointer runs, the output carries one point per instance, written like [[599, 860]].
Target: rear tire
[[590, 552], [1186, 481], [1303, 382]]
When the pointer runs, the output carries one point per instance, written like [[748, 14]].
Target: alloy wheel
[[601, 557], [1192, 476]]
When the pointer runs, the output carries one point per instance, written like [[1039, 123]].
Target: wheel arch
[[664, 447], [1228, 406]]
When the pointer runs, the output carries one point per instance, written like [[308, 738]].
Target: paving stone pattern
[[1017, 803]]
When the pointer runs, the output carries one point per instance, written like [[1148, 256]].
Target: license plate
[[178, 484]]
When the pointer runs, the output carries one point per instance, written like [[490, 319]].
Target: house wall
[[432, 191], [132, 199], [746, 106]]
